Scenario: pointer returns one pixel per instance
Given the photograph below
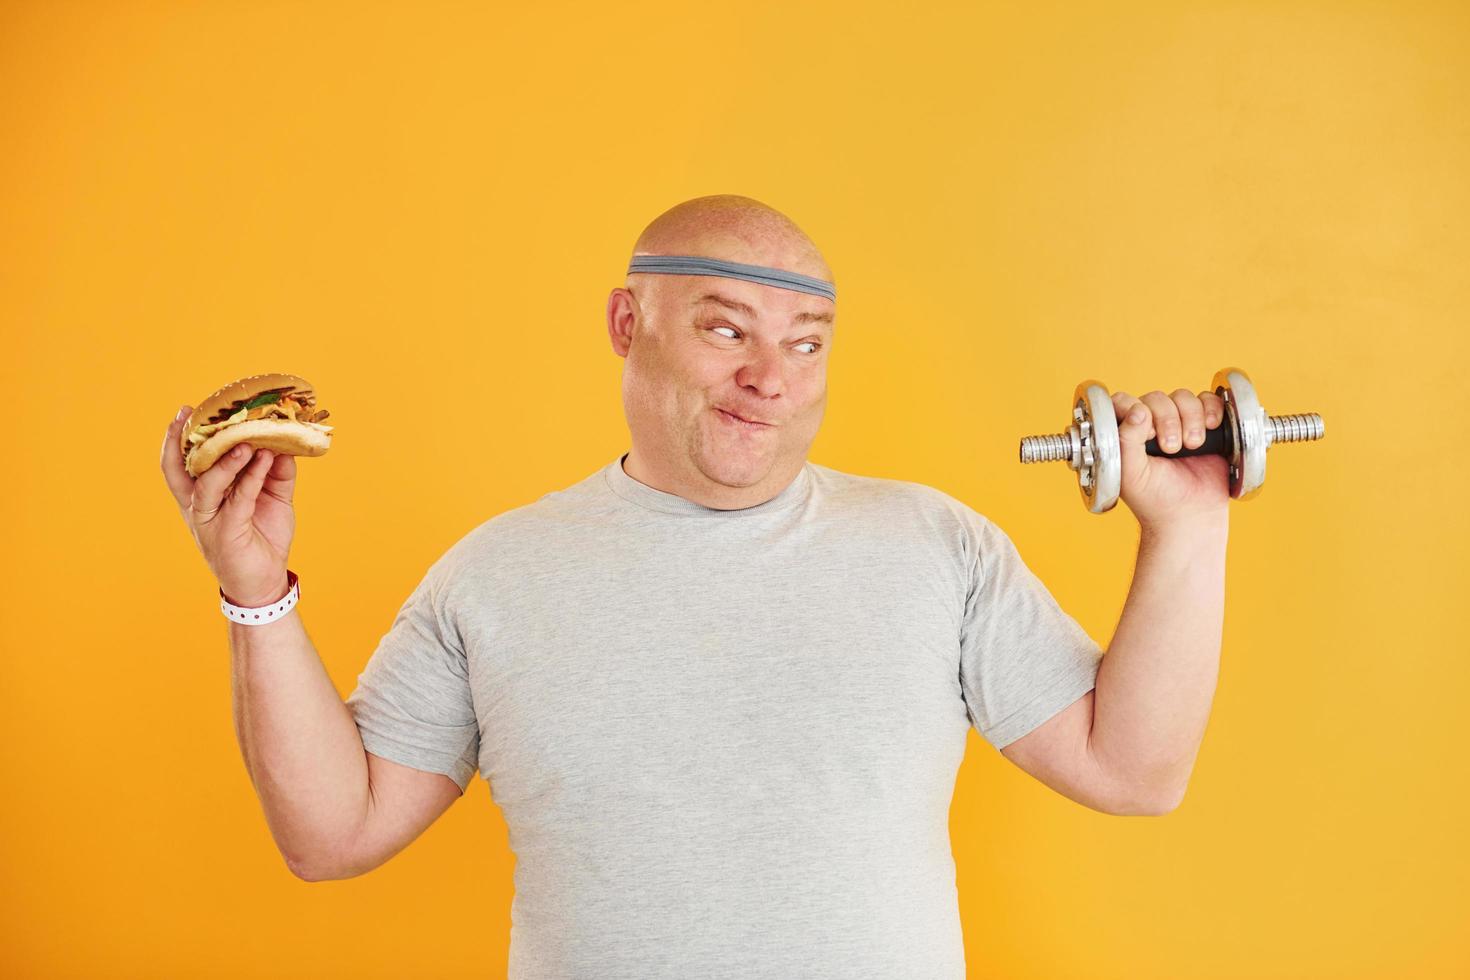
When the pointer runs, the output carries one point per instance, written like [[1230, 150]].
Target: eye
[[815, 345]]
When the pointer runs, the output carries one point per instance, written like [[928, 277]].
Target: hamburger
[[269, 411]]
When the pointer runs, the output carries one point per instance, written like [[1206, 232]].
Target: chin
[[736, 469]]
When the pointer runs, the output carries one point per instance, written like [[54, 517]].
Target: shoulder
[[905, 503], [500, 544]]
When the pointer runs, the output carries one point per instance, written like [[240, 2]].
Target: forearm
[[301, 745], [1157, 681]]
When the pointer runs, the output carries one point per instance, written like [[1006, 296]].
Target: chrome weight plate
[[1095, 447], [1252, 436]]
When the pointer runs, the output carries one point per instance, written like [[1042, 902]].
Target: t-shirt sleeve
[[1022, 658], [413, 702]]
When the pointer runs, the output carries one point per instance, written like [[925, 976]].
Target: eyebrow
[[804, 316]]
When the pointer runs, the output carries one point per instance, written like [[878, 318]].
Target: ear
[[623, 315]]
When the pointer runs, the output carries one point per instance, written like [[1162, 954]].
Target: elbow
[[1146, 810], [1157, 805], [311, 872], [301, 872]]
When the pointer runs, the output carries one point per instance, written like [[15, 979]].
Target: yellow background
[[421, 208]]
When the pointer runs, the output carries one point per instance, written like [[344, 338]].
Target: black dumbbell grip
[[1218, 442]]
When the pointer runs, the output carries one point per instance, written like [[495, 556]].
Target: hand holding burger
[[231, 466]]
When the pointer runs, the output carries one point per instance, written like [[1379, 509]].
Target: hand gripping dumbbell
[[1090, 445]]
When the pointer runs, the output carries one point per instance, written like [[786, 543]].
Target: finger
[[1214, 408], [1166, 420], [210, 486], [280, 479], [1135, 422], [171, 460], [240, 505], [1191, 416]]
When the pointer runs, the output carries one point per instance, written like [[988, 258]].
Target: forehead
[[749, 299]]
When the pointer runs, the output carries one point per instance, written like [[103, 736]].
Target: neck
[[702, 490]]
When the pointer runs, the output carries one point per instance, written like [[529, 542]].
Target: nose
[[762, 371]]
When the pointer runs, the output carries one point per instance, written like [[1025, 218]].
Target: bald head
[[724, 376], [732, 227]]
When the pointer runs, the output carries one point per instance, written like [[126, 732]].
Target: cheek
[[813, 388], [667, 377], [707, 379]]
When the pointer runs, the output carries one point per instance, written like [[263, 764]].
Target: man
[[721, 693]]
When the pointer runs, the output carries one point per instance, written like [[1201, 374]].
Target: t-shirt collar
[[641, 494]]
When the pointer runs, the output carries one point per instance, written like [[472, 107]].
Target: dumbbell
[[1090, 445]]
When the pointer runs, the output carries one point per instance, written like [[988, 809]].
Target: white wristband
[[260, 615]]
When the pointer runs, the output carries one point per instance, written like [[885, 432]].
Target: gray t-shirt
[[725, 741]]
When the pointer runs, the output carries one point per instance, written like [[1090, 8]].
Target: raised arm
[[300, 742], [1129, 745]]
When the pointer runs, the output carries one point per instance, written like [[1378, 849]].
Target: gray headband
[[698, 265]]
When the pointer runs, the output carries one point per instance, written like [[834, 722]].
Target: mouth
[[731, 418]]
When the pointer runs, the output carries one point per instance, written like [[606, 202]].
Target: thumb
[[1137, 424]]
